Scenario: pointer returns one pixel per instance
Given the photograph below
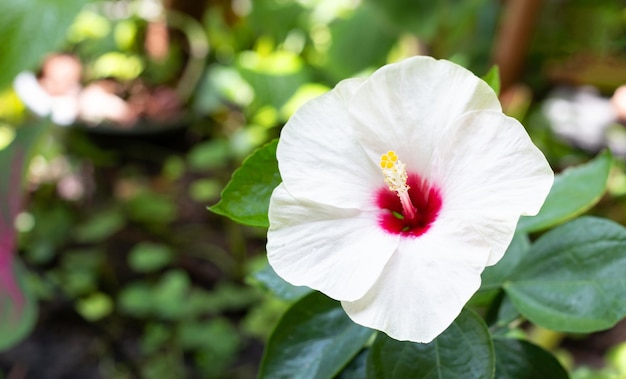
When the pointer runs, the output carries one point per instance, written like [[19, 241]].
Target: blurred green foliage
[[116, 231], [22, 20]]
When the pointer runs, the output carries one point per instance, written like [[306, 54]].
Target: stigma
[[394, 172]]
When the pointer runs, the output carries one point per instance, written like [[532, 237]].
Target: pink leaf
[[17, 308], [10, 202]]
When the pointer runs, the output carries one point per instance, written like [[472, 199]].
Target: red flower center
[[426, 199]]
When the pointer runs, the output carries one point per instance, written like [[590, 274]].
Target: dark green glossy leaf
[[464, 350], [269, 279], [494, 276], [29, 30], [493, 79], [517, 359], [500, 311], [575, 190], [572, 278], [314, 339], [246, 197], [501, 314], [357, 369]]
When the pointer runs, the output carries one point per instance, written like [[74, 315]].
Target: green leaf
[[100, 226], [151, 208], [314, 339], [264, 15], [357, 368], [246, 197], [29, 30], [208, 155], [170, 295], [364, 24], [494, 276], [500, 311], [433, 22], [275, 77], [419, 17], [574, 191], [269, 279], [492, 77], [217, 335], [501, 314], [95, 307], [149, 257], [572, 278], [517, 359], [464, 350]]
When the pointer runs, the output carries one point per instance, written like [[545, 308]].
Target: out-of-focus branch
[[512, 42], [193, 8]]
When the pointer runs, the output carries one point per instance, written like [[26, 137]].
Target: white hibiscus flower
[[398, 190]]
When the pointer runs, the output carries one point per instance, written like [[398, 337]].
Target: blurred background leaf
[[30, 29]]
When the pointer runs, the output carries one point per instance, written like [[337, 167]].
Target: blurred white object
[[585, 118], [62, 109], [98, 103], [32, 94], [55, 93]]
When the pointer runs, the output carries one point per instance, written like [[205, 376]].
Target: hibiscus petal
[[319, 158], [496, 232], [404, 106], [424, 286], [338, 251], [490, 173]]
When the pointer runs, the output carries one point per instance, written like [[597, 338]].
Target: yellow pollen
[[394, 172], [388, 160]]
